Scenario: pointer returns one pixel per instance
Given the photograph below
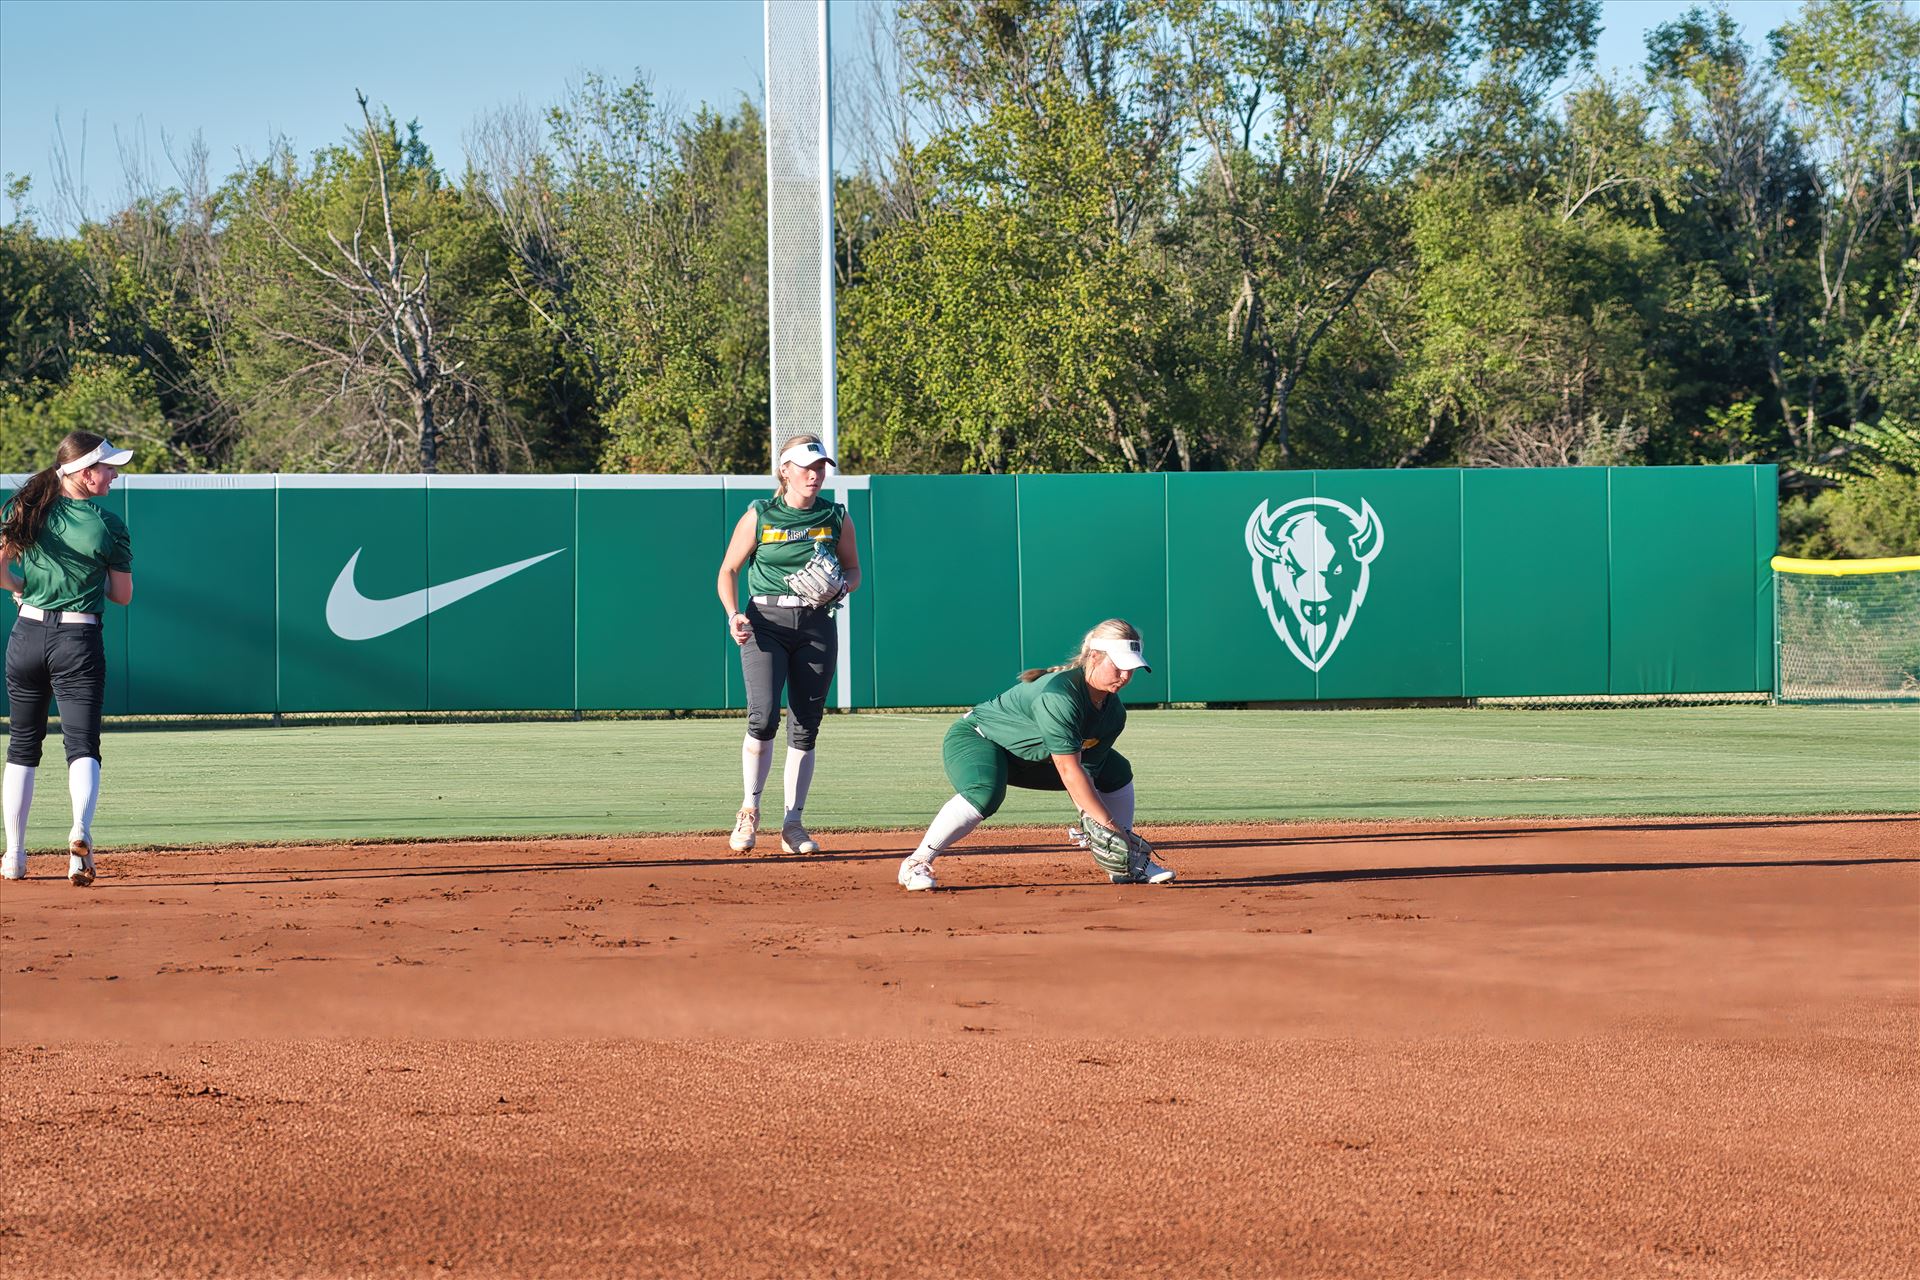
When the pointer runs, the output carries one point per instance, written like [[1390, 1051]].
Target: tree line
[[1104, 235]]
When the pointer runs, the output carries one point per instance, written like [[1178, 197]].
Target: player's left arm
[[1080, 787], [849, 553]]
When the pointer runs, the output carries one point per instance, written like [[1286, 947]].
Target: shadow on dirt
[[1276, 880]]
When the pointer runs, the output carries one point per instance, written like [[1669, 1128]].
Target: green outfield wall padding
[[1766, 541], [515, 642], [201, 638], [345, 551], [1221, 645], [946, 595], [859, 503], [1685, 567], [1404, 640], [404, 593], [1092, 547], [1533, 581], [115, 639], [650, 628]]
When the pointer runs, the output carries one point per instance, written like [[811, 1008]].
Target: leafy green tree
[[1316, 116], [112, 395], [1010, 321], [1534, 331], [1850, 69], [640, 243], [1020, 316], [44, 300], [105, 320], [1743, 196]]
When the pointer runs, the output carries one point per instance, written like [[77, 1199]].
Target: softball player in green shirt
[[1054, 731], [63, 556], [787, 642]]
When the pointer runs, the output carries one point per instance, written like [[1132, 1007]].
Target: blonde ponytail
[[1111, 629]]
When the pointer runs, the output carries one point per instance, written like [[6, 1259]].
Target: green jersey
[[1053, 715], [66, 568], [786, 538]]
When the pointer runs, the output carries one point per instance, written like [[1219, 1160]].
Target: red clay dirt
[[1591, 1048]]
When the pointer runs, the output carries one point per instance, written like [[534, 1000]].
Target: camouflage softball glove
[[819, 581], [1120, 853]]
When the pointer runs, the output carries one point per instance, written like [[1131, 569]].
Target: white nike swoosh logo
[[352, 616]]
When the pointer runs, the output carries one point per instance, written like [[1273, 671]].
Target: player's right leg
[[77, 662], [977, 769], [29, 694], [763, 669]]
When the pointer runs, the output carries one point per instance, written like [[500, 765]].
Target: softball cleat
[[1077, 838], [1151, 873], [745, 824], [916, 875], [80, 861], [14, 865], [794, 839]]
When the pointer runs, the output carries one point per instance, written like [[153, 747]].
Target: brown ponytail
[[25, 514], [1111, 629]]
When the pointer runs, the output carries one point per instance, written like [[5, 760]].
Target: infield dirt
[[1609, 1048]]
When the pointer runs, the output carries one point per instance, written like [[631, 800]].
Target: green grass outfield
[[192, 785]]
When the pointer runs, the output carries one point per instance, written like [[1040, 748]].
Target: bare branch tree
[[376, 291]]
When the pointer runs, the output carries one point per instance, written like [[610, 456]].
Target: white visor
[[1126, 654], [104, 453], [805, 455]]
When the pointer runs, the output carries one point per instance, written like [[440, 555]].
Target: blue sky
[[241, 73]]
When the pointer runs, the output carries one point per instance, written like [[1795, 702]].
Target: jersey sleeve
[[1057, 716], [119, 555]]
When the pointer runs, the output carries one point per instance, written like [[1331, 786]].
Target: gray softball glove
[[1124, 856], [819, 581]]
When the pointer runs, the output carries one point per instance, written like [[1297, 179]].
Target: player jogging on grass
[[800, 560], [1053, 731], [63, 556]]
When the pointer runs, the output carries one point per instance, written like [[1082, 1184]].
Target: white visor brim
[[102, 452], [805, 455], [1125, 654]]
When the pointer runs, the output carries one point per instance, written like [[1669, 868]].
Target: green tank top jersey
[[1053, 715], [66, 568], [786, 539]]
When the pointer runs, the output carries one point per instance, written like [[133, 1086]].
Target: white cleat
[[80, 861], [1077, 838], [745, 824], [794, 839], [1152, 873], [14, 865], [916, 876]]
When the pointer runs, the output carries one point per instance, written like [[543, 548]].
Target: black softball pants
[[48, 660], [795, 651]]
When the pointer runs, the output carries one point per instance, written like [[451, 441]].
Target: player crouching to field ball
[[1053, 731], [63, 556], [800, 561]]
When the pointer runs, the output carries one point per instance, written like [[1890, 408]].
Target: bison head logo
[[1310, 566]]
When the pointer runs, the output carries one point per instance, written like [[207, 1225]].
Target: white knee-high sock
[[955, 821], [83, 785], [799, 777], [1119, 805], [16, 797], [756, 762]]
